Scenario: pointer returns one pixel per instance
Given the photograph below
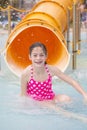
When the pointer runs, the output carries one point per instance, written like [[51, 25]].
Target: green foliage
[[4, 3]]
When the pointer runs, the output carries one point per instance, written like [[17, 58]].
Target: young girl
[[36, 79]]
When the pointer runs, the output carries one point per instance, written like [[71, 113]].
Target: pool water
[[18, 113]]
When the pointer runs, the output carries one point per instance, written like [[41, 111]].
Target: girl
[[36, 80]]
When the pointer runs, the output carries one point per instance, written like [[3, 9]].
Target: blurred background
[[18, 9]]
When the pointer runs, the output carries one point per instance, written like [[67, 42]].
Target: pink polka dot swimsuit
[[40, 90]]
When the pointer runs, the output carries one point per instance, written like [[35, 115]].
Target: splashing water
[[23, 113]]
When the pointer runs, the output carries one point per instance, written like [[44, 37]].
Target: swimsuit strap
[[45, 68], [31, 72]]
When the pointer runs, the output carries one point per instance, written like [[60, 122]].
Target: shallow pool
[[24, 114]]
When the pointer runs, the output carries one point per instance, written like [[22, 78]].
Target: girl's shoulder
[[26, 71], [53, 69]]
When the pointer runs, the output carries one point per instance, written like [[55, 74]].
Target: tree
[[4, 3]]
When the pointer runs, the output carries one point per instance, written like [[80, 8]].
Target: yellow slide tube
[[45, 23]]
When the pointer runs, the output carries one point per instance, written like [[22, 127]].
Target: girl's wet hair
[[38, 44]]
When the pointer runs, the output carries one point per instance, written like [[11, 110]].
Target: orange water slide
[[45, 23]]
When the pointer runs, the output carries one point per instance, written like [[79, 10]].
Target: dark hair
[[38, 44]]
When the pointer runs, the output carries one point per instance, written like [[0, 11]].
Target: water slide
[[46, 23]]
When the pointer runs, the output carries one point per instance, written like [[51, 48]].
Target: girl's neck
[[38, 70]]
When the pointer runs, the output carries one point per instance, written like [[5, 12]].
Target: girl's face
[[38, 56]]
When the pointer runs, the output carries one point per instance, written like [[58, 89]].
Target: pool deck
[[3, 31]]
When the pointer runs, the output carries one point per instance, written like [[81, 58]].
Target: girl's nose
[[38, 57]]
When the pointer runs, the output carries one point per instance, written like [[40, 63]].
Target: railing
[[76, 26]]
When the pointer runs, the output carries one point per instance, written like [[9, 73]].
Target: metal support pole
[[79, 31], [68, 29], [74, 51], [9, 20]]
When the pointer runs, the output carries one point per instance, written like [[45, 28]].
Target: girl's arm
[[24, 80], [71, 81], [23, 85]]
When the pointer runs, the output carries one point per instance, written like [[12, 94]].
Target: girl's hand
[[85, 98]]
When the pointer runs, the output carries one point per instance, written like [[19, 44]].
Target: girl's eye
[[35, 55], [41, 55]]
